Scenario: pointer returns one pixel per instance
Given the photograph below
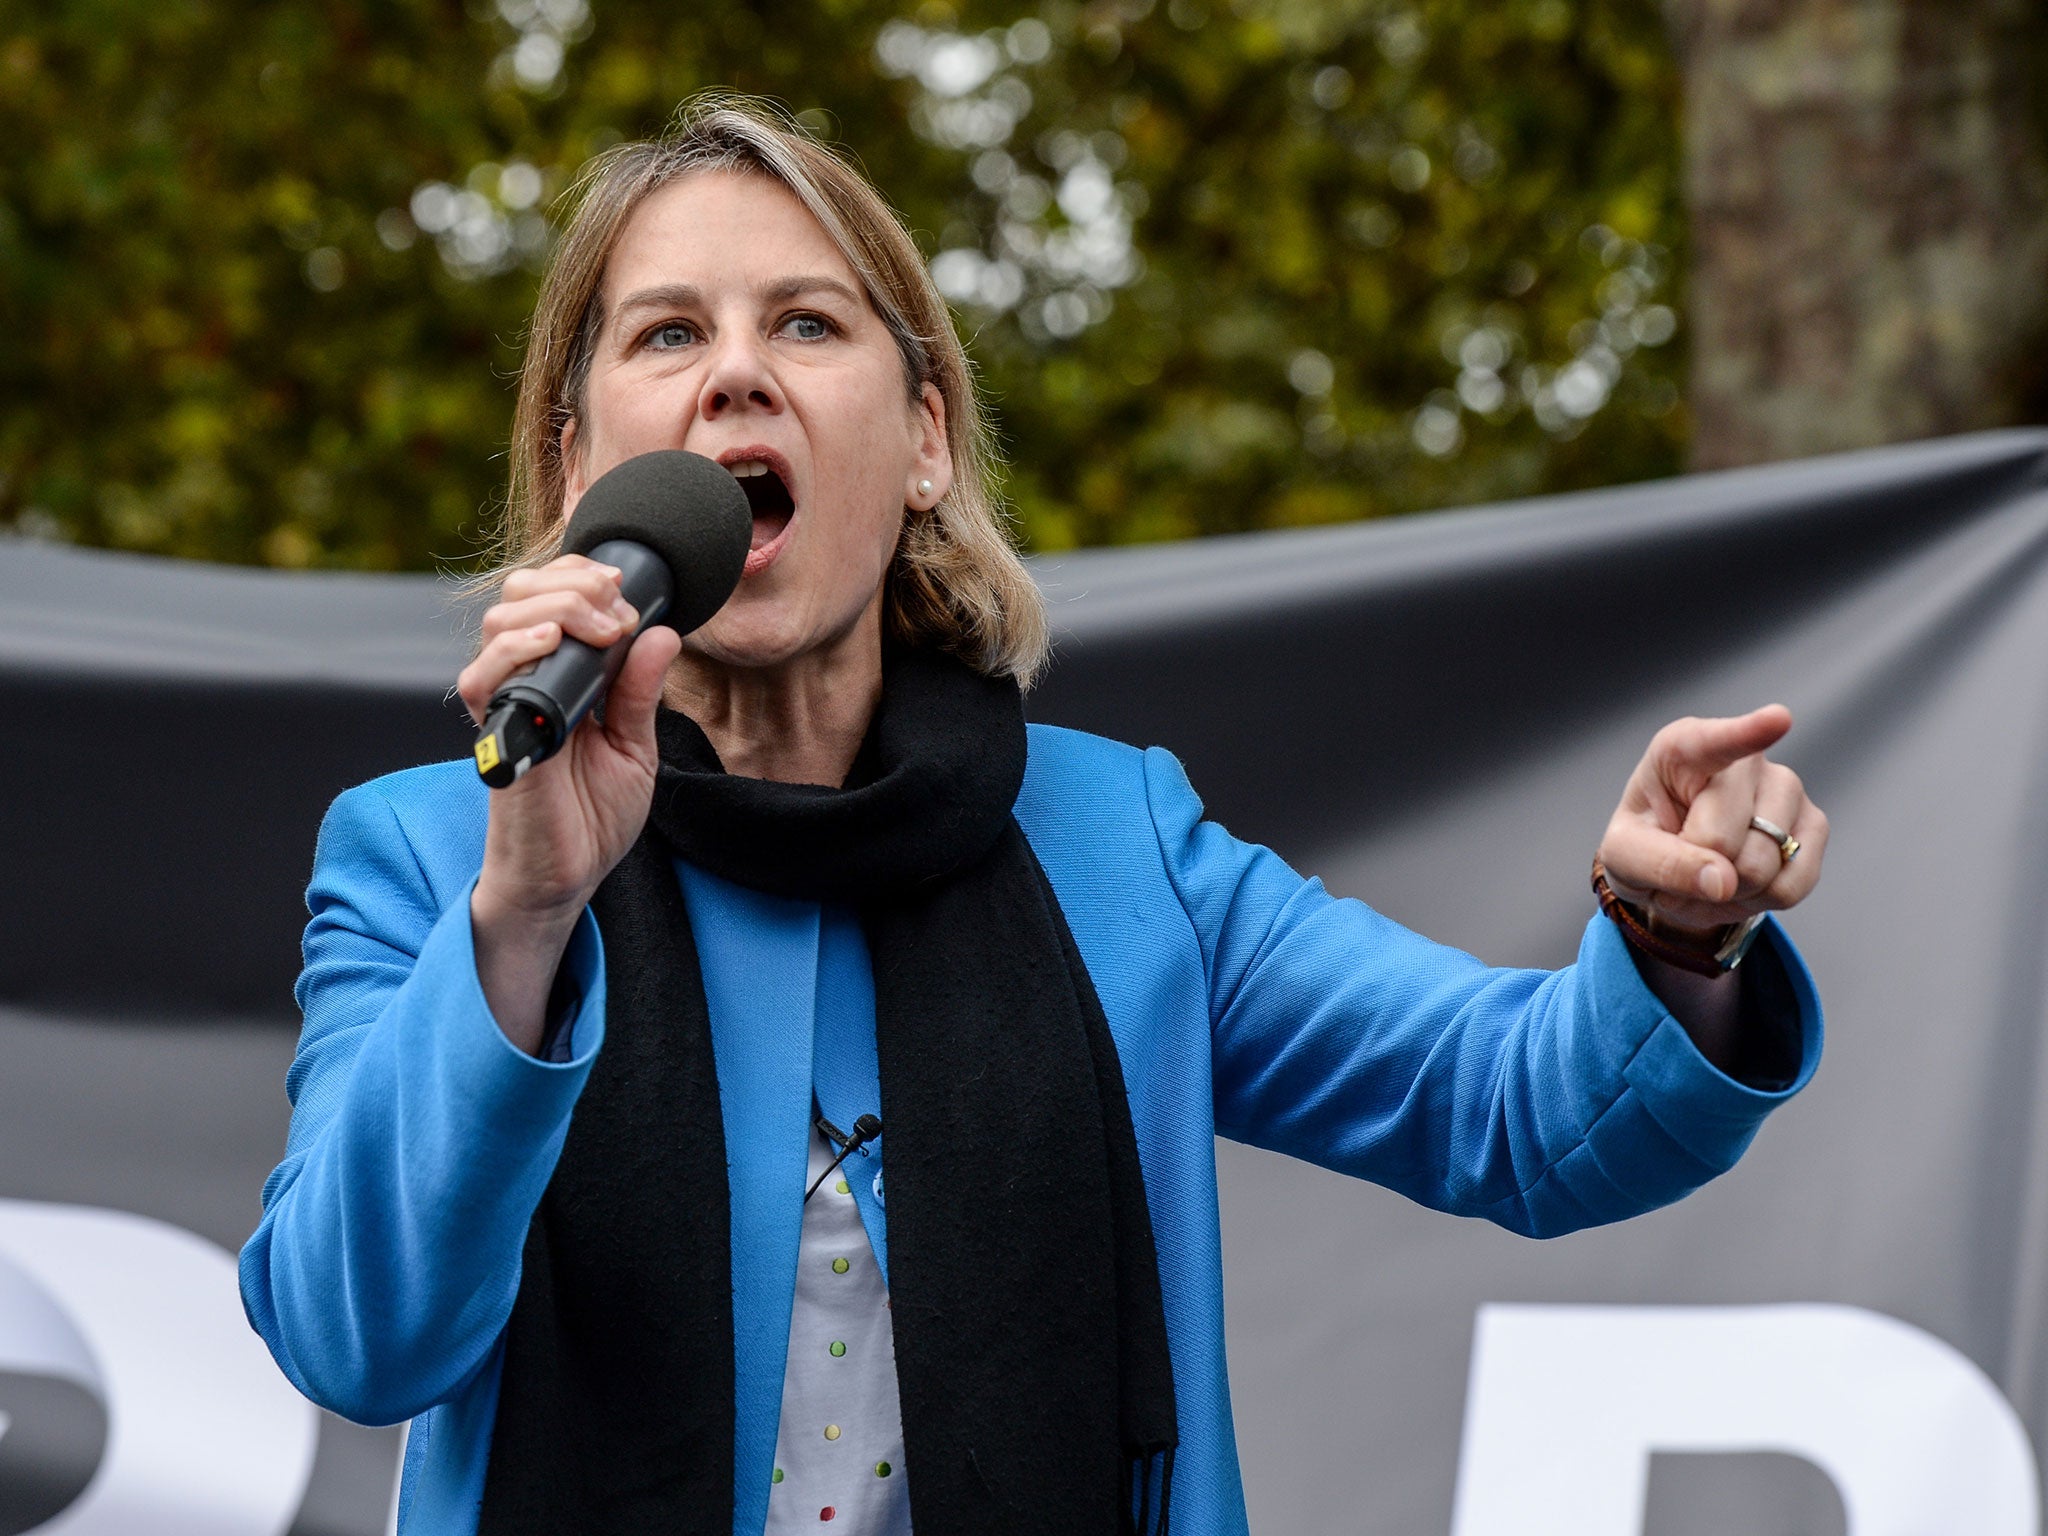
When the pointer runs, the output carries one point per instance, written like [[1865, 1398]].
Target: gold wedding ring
[[1788, 845]]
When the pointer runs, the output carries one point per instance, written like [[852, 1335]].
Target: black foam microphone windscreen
[[687, 510], [678, 528]]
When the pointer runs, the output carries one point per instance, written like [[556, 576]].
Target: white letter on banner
[[1567, 1403], [204, 1436]]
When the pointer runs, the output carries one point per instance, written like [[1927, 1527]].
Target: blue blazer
[[1244, 999]]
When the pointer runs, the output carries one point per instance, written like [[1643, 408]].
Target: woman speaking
[[793, 1104]]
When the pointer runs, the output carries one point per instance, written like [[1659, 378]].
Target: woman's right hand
[[557, 832]]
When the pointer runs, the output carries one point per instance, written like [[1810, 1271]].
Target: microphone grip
[[532, 715]]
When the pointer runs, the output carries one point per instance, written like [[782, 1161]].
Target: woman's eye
[[808, 327], [674, 334]]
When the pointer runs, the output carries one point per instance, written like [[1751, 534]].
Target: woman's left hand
[[1681, 844]]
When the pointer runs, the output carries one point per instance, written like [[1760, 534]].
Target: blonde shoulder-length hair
[[955, 580]]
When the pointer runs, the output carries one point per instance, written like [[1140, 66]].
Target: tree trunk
[[1868, 188]]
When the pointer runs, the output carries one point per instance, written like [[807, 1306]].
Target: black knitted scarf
[[1031, 1352]]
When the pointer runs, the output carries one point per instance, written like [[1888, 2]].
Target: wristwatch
[[1729, 945]]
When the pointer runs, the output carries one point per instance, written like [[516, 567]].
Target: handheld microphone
[[677, 527]]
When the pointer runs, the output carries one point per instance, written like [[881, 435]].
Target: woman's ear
[[573, 483], [931, 473]]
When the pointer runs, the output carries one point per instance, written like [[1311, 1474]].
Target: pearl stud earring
[[924, 487]]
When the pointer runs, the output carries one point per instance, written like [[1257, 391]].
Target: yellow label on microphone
[[487, 753]]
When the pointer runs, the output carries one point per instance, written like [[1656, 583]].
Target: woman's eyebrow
[[665, 296], [784, 289]]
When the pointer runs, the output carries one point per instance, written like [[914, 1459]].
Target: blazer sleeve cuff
[[526, 1093], [1711, 1114]]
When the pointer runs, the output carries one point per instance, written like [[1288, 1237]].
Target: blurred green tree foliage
[[1225, 263]]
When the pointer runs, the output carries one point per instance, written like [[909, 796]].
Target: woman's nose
[[738, 379]]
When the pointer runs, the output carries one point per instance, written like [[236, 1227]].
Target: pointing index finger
[[1699, 749]]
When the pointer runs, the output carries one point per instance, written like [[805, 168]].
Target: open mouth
[[767, 495]]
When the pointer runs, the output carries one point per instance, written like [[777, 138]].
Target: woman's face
[[735, 329]]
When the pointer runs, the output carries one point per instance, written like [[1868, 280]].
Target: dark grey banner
[[1436, 715]]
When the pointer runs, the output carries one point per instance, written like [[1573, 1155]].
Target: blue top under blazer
[[1244, 999]]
